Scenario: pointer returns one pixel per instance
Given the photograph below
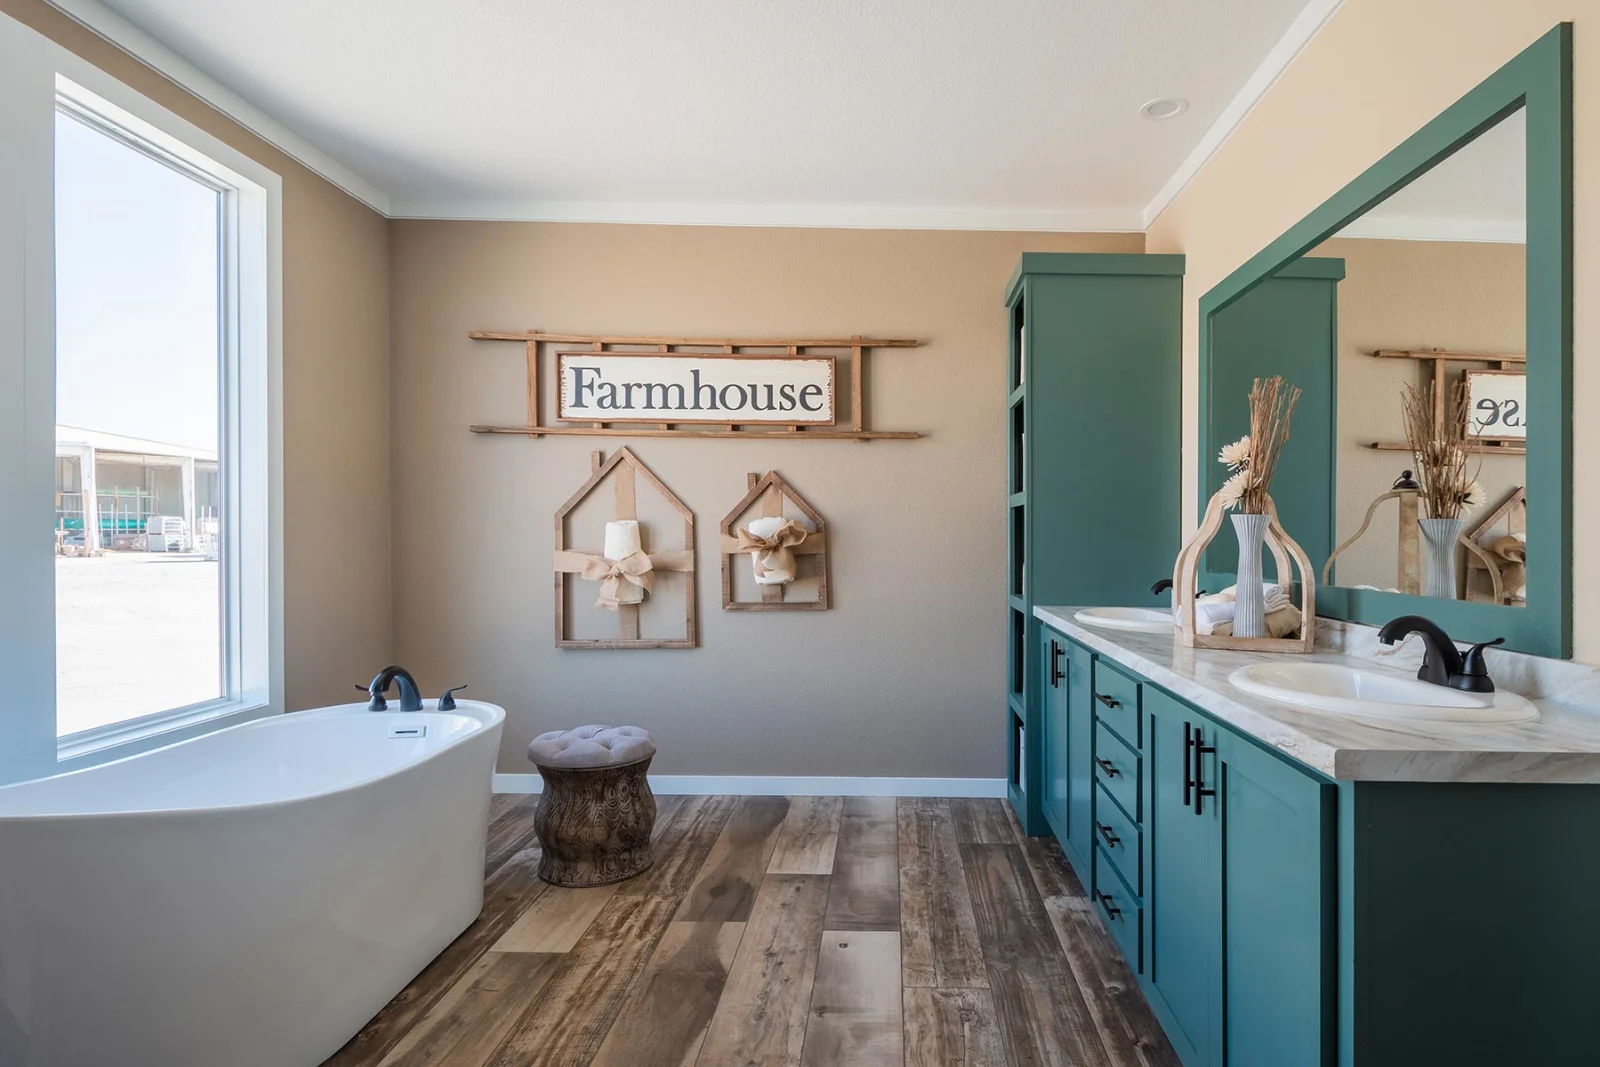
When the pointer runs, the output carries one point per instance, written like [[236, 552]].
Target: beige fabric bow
[[775, 553], [611, 573], [1514, 568]]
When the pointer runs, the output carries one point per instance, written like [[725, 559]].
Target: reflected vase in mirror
[[1439, 537]]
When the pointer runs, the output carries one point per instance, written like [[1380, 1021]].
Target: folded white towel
[[1277, 596], [1210, 614], [1216, 609]]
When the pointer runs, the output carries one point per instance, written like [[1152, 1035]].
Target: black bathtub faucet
[[410, 697]]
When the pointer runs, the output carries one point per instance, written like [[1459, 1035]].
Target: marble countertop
[[1562, 745]]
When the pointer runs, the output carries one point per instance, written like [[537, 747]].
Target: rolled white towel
[[622, 541], [775, 575]]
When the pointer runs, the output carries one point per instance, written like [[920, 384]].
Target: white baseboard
[[797, 786]]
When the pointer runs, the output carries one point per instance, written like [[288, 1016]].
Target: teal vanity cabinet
[[1092, 518], [1212, 861], [1242, 895]]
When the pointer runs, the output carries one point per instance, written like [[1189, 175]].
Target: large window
[[138, 376], [138, 385]]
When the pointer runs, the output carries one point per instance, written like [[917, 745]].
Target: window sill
[[118, 740]]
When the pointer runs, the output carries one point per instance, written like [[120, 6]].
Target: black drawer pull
[[1106, 832], [1108, 767], [1192, 741], [1056, 673], [1108, 902], [1110, 702]]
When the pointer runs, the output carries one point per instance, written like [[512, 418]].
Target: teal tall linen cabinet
[[1093, 502]]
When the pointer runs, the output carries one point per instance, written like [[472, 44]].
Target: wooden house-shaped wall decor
[[767, 498], [671, 567]]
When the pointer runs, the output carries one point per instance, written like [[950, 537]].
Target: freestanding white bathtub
[[248, 898]]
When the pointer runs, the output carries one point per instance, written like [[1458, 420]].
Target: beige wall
[[1459, 296], [335, 394], [1375, 73], [902, 676]]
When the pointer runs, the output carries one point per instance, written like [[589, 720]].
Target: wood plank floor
[[781, 932]]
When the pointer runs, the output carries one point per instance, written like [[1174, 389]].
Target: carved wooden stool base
[[594, 824]]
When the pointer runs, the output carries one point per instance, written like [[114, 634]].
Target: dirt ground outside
[[136, 633]]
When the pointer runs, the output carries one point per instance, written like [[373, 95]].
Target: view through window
[[138, 496]]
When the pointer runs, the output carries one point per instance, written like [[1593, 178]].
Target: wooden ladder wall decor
[[1439, 357], [768, 348]]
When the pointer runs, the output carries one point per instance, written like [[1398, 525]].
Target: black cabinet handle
[[1056, 673], [1109, 702], [1108, 767], [1188, 775], [1200, 791], [1106, 832], [1108, 902]]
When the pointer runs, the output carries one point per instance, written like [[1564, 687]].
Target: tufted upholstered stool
[[597, 812]]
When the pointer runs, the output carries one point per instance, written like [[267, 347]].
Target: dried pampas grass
[[1442, 455]]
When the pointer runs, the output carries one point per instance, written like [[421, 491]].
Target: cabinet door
[[1080, 753], [1057, 749], [1280, 894], [1184, 909]]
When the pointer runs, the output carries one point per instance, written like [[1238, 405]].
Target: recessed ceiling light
[[1165, 107]]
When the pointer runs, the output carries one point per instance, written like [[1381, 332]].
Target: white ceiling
[[1478, 194], [1010, 111]]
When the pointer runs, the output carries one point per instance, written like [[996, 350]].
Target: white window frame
[[36, 78]]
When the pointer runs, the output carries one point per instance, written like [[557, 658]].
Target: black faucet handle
[[377, 703], [1474, 675], [447, 699]]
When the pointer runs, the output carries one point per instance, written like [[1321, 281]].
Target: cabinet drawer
[[1119, 840], [1120, 909], [1116, 768], [1116, 703]]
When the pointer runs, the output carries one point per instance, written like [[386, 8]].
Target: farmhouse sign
[[771, 388], [687, 387], [1498, 402]]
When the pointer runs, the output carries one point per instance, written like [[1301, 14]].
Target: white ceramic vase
[[1250, 600]]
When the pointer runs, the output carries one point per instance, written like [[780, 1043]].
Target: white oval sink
[[1349, 691], [1144, 620]]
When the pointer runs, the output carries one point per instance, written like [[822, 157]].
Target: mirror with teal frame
[[1483, 195]]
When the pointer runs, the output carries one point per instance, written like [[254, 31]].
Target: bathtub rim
[[493, 718]]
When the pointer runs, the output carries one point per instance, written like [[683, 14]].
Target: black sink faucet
[[1442, 663], [410, 697], [1166, 583]]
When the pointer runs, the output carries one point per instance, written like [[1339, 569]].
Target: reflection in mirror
[[1429, 306]]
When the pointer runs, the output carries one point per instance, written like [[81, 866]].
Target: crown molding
[[1436, 228], [1294, 40], [118, 31], [832, 216]]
